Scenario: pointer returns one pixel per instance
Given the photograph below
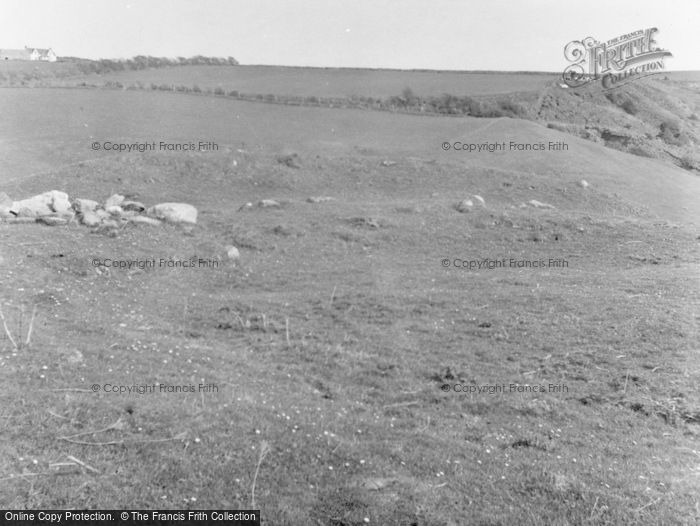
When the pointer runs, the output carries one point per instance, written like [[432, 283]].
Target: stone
[[583, 183], [480, 199], [133, 206], [5, 205], [85, 205], [174, 212], [464, 206], [268, 203], [114, 210], [145, 220], [48, 203], [538, 204], [89, 218], [114, 200], [233, 253]]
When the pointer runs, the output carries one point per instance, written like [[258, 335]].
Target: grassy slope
[[333, 82], [376, 324]]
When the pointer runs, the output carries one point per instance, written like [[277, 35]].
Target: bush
[[196, 89], [219, 91], [670, 132]]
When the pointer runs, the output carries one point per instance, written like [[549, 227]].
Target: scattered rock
[[114, 210], [145, 220], [537, 204], [133, 206], [388, 163], [5, 205], [464, 206], [233, 253], [114, 200], [320, 199], [268, 203], [246, 206], [48, 203], [174, 212], [89, 218], [84, 205], [480, 199], [583, 183]]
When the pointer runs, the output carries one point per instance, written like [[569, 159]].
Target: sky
[[405, 34]]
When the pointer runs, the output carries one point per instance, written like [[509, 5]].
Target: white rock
[[583, 183], [5, 205], [233, 253], [465, 206], [174, 212], [114, 200], [480, 199], [114, 210], [89, 218], [268, 203], [83, 205], [320, 199], [48, 203], [538, 204]]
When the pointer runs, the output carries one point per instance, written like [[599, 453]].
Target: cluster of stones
[[56, 208]]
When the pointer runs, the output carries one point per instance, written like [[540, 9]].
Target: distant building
[[28, 53]]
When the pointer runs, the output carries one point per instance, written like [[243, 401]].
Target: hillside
[[655, 117], [341, 339]]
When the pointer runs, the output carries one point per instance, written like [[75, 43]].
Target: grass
[[332, 336]]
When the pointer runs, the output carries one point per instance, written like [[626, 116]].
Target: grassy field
[[333, 337], [336, 82]]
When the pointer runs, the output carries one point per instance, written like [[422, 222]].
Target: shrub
[[196, 89], [670, 132], [219, 91]]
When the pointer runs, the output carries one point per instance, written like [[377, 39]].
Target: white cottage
[[29, 53]]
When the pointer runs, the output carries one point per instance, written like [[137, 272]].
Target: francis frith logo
[[616, 61]]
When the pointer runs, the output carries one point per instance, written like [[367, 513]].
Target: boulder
[[89, 218], [583, 183], [114, 210], [268, 203], [48, 203], [5, 205], [114, 200], [85, 205], [144, 220], [133, 206], [174, 212], [464, 206], [479, 199], [233, 253]]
